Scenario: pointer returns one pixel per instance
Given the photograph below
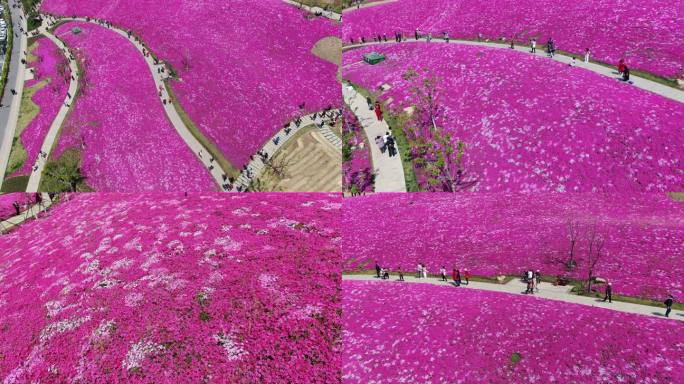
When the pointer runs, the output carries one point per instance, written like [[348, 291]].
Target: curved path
[[51, 136], [546, 291], [323, 121], [31, 213], [316, 10], [9, 117], [389, 171], [218, 174], [639, 82], [367, 5]]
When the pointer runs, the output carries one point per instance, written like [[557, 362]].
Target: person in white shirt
[[587, 53]]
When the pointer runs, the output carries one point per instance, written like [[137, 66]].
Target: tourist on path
[[424, 271], [401, 274], [668, 305], [466, 276], [380, 143], [621, 66], [377, 269], [625, 74], [587, 53], [537, 277], [609, 293], [17, 207], [419, 271], [378, 111], [456, 276], [533, 43], [442, 272]]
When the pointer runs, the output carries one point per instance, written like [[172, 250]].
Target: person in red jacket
[[621, 66], [378, 111], [466, 276], [456, 276]]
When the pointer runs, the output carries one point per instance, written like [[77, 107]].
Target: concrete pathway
[[32, 212], [639, 82], [201, 153], [366, 5], [51, 136], [389, 171], [546, 291], [9, 116], [256, 166], [316, 10]]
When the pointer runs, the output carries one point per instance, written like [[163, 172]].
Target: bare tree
[[573, 234], [595, 244], [278, 166]]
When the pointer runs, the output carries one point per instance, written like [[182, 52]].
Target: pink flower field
[[52, 66], [244, 66], [118, 123], [648, 34], [165, 289], [495, 234], [533, 125], [420, 333]]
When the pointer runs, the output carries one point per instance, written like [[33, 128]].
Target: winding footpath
[[546, 291], [217, 173], [9, 117], [49, 140], [389, 171], [316, 10], [323, 121], [639, 82]]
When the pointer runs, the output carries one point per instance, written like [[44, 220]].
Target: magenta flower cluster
[[51, 66], [494, 234], [245, 66], [422, 333], [531, 124], [118, 123], [649, 35], [358, 169], [165, 288]]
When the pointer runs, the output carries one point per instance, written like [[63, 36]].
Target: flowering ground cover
[[357, 167], [649, 35], [164, 288], [118, 122], [50, 65], [6, 204], [422, 333], [531, 124], [494, 234], [245, 66]]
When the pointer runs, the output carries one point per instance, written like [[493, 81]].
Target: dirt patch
[[329, 49]]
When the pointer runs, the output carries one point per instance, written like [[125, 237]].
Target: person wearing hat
[[668, 305]]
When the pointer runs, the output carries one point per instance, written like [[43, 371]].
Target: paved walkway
[[9, 117], [51, 136], [389, 171], [256, 166], [366, 5], [546, 291], [639, 82], [316, 10], [31, 213], [201, 153]]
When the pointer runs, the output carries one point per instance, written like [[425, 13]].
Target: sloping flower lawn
[[494, 234], [421, 333], [165, 288], [118, 122], [531, 124]]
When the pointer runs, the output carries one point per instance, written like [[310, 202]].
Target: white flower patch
[[121, 263], [133, 244], [53, 308], [228, 244], [307, 203], [103, 331], [330, 206], [151, 258], [215, 277], [240, 212], [138, 352], [133, 299], [245, 226], [233, 350], [105, 244], [226, 228], [60, 327], [262, 232], [268, 281], [307, 312]]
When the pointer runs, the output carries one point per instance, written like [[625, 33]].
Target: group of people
[[422, 273], [387, 143]]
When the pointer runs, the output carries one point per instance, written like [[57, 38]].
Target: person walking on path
[[537, 277], [17, 207], [668, 305], [533, 43], [621, 67], [587, 53], [377, 269], [380, 143], [424, 271], [456, 276], [401, 274], [442, 272], [466, 276], [378, 111], [419, 271], [609, 293]]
